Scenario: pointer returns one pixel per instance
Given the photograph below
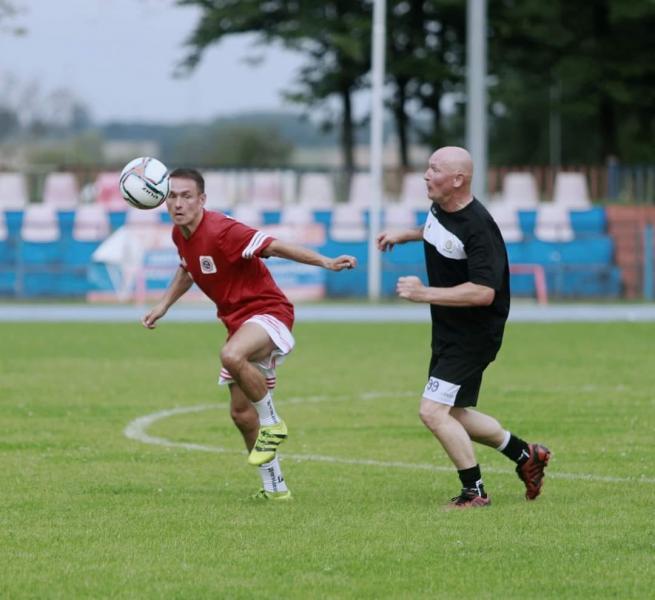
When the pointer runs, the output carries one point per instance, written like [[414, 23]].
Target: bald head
[[448, 178], [456, 161]]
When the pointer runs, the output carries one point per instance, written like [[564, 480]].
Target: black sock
[[472, 479], [516, 449]]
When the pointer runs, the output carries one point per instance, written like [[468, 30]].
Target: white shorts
[[284, 342]]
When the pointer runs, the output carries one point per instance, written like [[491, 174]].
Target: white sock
[[266, 410], [272, 478]]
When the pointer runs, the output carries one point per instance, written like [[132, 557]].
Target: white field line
[[137, 430]]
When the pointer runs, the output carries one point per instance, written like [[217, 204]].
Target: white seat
[[316, 191], [266, 190], [4, 233], [414, 191], [221, 189], [571, 190], [61, 190], [40, 223], [248, 214], [138, 216], [361, 190], [399, 215], [296, 214], [507, 219], [347, 224], [91, 223], [520, 190], [553, 223], [13, 191], [107, 191]]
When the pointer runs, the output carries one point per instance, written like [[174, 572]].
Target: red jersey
[[222, 257]]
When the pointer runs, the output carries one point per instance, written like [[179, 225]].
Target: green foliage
[[87, 513], [85, 149], [236, 145], [592, 54]]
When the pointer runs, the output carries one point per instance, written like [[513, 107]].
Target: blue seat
[[589, 222]]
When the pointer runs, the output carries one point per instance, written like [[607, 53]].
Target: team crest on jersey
[[207, 265]]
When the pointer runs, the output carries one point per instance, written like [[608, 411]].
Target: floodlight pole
[[376, 158], [476, 106]]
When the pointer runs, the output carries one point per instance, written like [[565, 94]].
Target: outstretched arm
[[464, 294], [177, 288], [309, 257], [387, 239]]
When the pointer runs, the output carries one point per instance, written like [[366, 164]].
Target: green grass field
[[88, 513]]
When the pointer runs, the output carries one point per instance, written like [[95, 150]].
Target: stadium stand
[[553, 223], [413, 191], [13, 191], [520, 190], [571, 191], [267, 190], [360, 190], [507, 218], [106, 190], [40, 251], [296, 215], [348, 224], [315, 190], [399, 215], [61, 190], [248, 214], [221, 189]]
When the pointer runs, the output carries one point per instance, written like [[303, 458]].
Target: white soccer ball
[[144, 182]]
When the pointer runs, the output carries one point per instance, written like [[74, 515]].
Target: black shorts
[[454, 381]]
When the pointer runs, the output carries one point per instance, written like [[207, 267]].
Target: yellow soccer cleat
[[274, 496], [268, 440]]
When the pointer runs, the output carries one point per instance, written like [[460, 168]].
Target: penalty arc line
[[137, 430]]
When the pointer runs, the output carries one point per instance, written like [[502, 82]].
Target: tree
[[592, 53], [333, 34], [425, 56]]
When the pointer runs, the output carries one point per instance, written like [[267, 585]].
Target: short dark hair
[[186, 173]]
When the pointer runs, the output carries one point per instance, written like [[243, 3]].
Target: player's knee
[[231, 359], [433, 414]]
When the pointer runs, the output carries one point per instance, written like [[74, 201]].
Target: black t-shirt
[[462, 246]]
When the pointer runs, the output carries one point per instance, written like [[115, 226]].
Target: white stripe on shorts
[[441, 391]]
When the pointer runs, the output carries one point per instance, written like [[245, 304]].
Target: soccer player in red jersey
[[223, 257]]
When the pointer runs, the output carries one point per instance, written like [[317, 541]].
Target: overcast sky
[[118, 57]]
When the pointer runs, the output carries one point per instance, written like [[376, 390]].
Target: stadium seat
[[399, 215], [520, 190], [135, 216], [40, 250], [360, 190], [13, 191], [297, 215], [348, 224], [6, 255], [91, 223], [248, 214], [61, 190], [507, 218], [221, 190], [106, 191], [414, 192], [266, 189], [571, 191], [316, 191], [40, 224], [553, 223]]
